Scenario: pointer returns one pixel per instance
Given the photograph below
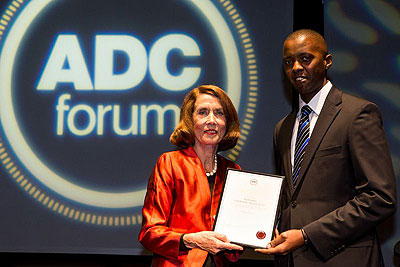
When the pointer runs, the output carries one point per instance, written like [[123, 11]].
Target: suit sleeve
[[374, 187], [155, 234], [277, 154]]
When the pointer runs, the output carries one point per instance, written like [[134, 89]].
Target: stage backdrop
[[90, 91], [364, 38]]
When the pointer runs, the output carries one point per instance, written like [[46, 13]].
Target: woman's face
[[209, 121]]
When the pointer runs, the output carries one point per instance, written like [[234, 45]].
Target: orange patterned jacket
[[178, 201]]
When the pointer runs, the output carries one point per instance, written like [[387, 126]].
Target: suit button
[[294, 204]]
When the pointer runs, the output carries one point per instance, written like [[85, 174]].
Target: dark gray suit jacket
[[346, 184]]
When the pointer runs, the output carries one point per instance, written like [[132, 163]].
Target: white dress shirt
[[315, 104]]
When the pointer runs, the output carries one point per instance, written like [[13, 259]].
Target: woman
[[185, 186]]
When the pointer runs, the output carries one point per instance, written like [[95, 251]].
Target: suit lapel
[[328, 114]]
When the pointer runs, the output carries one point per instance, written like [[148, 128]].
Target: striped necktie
[[303, 136]]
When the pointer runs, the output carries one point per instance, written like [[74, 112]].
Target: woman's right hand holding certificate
[[210, 241]]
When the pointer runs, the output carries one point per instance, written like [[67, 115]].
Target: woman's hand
[[209, 241]]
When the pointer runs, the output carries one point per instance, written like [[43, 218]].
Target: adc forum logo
[[91, 90]]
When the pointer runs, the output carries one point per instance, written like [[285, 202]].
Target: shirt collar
[[318, 100]]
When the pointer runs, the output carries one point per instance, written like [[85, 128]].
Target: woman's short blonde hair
[[183, 135]]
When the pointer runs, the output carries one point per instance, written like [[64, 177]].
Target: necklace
[[215, 167]]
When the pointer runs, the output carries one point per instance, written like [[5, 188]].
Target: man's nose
[[297, 66]]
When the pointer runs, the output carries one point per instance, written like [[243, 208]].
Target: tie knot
[[305, 111]]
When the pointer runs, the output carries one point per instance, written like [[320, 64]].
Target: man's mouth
[[300, 79]]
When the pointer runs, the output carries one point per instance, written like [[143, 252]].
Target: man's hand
[[209, 241], [283, 243]]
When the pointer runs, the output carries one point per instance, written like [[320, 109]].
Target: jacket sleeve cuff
[[182, 247]]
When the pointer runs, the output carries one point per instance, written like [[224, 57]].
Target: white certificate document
[[248, 207]]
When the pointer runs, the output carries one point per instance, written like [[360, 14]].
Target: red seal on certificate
[[261, 235]]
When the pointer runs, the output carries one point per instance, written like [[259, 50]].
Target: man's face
[[305, 65]]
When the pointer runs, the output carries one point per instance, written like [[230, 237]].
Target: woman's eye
[[202, 112], [219, 112]]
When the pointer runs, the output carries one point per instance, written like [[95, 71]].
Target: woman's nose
[[211, 118]]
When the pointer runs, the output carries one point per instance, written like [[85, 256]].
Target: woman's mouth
[[211, 132]]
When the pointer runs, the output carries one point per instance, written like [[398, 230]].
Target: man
[[339, 181]]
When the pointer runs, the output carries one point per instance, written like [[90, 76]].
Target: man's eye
[[306, 59], [288, 62]]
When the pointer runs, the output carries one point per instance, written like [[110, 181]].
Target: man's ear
[[328, 61]]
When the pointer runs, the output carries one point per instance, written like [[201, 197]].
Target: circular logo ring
[[85, 195]]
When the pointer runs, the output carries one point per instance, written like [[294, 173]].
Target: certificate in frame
[[248, 207]]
